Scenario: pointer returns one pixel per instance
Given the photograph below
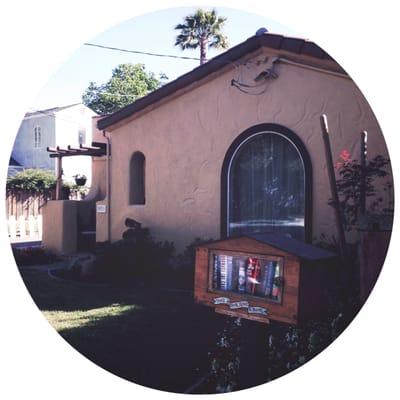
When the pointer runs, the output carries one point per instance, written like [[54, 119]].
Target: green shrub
[[136, 257], [34, 181]]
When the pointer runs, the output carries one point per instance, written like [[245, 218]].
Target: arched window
[[137, 179], [266, 180]]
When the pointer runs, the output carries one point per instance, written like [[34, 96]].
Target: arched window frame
[[233, 149], [137, 180]]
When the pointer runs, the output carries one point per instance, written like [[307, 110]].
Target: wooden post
[[332, 182], [363, 163], [59, 178]]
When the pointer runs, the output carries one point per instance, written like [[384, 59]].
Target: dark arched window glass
[[266, 185], [137, 179]]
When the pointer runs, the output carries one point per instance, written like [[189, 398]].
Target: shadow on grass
[[150, 337]]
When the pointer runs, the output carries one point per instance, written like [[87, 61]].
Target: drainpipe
[[108, 187], [59, 178]]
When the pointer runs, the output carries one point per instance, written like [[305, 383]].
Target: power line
[[140, 52]]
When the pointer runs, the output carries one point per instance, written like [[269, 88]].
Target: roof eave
[[273, 41]]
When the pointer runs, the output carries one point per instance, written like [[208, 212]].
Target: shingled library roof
[[292, 246], [268, 40]]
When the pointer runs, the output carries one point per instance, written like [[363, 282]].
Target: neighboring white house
[[58, 126], [14, 167]]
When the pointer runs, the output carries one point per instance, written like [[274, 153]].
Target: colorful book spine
[[269, 275], [224, 272], [216, 273], [242, 278], [276, 290], [229, 272]]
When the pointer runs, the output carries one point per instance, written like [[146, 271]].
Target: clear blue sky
[[150, 33]]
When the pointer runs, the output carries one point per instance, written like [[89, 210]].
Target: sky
[[154, 33]]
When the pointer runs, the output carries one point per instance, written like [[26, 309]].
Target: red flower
[[345, 155], [344, 158]]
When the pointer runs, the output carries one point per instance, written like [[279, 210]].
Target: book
[[269, 277], [241, 287], [276, 290], [222, 274], [216, 273], [223, 262]]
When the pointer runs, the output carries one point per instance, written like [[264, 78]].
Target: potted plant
[[80, 180]]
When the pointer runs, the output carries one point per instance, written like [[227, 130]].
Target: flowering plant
[[357, 182]]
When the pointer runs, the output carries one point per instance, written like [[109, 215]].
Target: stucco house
[[233, 146], [71, 124]]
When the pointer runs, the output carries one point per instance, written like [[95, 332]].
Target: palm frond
[[201, 27]]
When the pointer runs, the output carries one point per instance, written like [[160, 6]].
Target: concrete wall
[[185, 139], [60, 226]]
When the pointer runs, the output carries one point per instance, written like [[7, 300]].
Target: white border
[[38, 36]]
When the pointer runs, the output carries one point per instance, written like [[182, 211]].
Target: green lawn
[[153, 337]]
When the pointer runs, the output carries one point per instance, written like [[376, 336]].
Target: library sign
[[263, 277], [240, 304]]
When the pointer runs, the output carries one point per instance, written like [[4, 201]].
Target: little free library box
[[263, 277]]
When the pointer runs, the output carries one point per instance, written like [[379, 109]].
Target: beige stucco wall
[[60, 226], [185, 140], [98, 187]]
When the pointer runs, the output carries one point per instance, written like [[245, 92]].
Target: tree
[[202, 29], [356, 181], [34, 181], [128, 83]]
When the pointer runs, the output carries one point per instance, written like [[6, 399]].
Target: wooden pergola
[[97, 149]]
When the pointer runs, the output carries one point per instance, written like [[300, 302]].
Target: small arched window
[[137, 178]]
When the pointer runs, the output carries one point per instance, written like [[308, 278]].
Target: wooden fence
[[29, 229], [24, 213], [20, 203]]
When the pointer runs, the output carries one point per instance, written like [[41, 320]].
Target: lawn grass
[[153, 337]]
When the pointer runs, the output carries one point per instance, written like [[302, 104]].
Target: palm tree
[[203, 28]]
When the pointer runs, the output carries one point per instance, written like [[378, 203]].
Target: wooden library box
[[263, 277]]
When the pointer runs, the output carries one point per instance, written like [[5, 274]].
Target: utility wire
[[235, 65], [140, 52]]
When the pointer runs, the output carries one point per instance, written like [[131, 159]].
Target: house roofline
[[50, 111], [266, 40]]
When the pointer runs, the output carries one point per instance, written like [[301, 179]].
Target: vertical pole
[[363, 163], [108, 185], [59, 178], [332, 182]]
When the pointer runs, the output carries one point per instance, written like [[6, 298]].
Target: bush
[[34, 181], [136, 257], [33, 256], [188, 258]]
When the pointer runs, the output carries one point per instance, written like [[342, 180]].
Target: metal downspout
[[108, 187]]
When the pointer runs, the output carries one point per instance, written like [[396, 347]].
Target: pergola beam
[[97, 149]]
